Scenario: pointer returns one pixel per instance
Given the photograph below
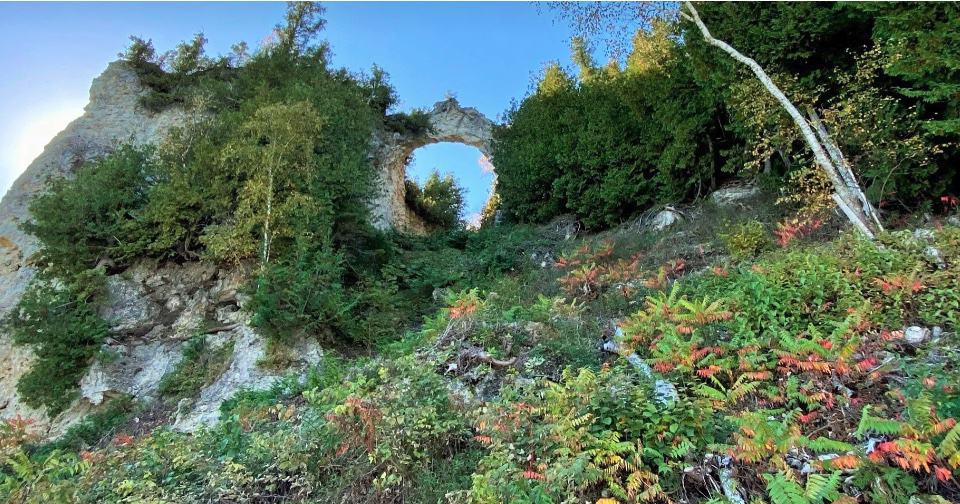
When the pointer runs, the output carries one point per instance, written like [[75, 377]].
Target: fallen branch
[[472, 352], [728, 483]]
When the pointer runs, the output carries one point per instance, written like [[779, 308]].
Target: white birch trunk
[[857, 208]]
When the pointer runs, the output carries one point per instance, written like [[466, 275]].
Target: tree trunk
[[848, 194]]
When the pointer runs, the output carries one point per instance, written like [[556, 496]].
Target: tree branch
[[848, 192]]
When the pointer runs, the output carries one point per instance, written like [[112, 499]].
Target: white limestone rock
[[391, 151], [734, 194], [916, 335], [665, 219]]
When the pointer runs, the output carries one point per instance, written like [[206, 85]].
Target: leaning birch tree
[[847, 193]]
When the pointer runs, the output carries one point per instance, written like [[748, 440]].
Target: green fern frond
[[827, 445], [821, 487], [870, 423], [783, 491], [949, 448]]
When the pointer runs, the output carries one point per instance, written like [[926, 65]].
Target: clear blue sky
[[484, 53]]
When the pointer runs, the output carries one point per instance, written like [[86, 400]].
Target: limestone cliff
[[113, 116], [154, 308]]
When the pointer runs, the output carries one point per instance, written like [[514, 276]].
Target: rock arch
[[450, 123]]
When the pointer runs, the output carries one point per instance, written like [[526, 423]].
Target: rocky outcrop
[[450, 123], [154, 308], [112, 116], [244, 372]]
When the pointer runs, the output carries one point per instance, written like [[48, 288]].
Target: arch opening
[[449, 123], [465, 165]]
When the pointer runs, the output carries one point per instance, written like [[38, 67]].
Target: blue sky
[[484, 53]]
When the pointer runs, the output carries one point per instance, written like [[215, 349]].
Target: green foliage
[[92, 430], [402, 417], [96, 216], [922, 43], [682, 117], [287, 296], [65, 332], [613, 144], [746, 239], [590, 435], [200, 366], [502, 394], [439, 202], [274, 154], [416, 122]]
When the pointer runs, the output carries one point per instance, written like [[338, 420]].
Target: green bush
[[60, 322], [91, 430], [96, 216], [416, 122], [746, 239]]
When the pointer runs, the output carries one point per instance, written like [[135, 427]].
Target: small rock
[[664, 219], [933, 255], [916, 335], [10, 256], [923, 234], [937, 331]]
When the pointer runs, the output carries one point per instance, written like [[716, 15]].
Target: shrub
[[414, 123], [91, 430], [200, 366], [96, 216], [402, 418], [62, 326], [594, 435], [304, 294], [746, 239]]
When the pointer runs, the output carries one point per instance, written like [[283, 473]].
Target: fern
[[869, 423], [783, 491], [949, 448], [827, 445], [821, 487]]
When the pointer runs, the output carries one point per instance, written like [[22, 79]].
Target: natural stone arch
[[450, 123]]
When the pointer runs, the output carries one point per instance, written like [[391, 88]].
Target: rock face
[[112, 116], [154, 308], [392, 151]]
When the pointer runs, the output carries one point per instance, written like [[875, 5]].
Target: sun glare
[[38, 131]]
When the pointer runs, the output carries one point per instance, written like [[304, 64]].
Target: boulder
[[734, 194], [664, 219]]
